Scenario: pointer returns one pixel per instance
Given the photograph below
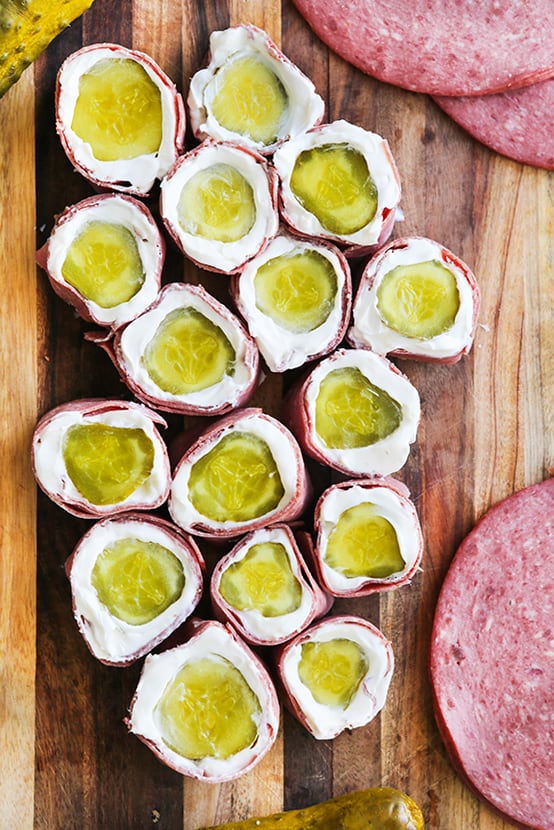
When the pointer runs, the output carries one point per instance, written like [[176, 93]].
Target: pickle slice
[[105, 463], [350, 411], [208, 710], [333, 182], [103, 263], [26, 29], [419, 300], [332, 670], [262, 581], [137, 580], [250, 99], [236, 480], [364, 543], [296, 290], [118, 110], [188, 353], [217, 203]]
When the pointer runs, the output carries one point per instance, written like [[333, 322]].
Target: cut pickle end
[[334, 184], [118, 111], [351, 412], [419, 300], [250, 100], [103, 263], [332, 670], [262, 581], [217, 203], [137, 580], [364, 544], [105, 463], [297, 290], [236, 480], [208, 710], [188, 352]]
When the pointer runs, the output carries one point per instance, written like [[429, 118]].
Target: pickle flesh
[[262, 581], [364, 544], [419, 300], [236, 480], [103, 263], [332, 670], [208, 710], [250, 99], [118, 110], [137, 580], [296, 290], [106, 463], [217, 203], [351, 412], [188, 352], [333, 183]]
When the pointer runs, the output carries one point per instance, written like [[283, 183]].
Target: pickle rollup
[[264, 589], [104, 257], [208, 708], [187, 353], [97, 457], [377, 808], [134, 579]]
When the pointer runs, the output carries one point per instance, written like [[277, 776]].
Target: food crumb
[[155, 816]]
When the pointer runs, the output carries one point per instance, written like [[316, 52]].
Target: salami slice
[[518, 123], [444, 48], [492, 658]]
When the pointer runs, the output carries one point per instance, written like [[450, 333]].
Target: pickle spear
[[378, 808], [26, 29]]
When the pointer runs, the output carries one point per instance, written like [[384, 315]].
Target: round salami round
[[443, 47], [492, 658]]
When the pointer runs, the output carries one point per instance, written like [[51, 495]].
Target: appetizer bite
[[355, 412], [188, 353], [97, 457], [416, 299], [134, 579], [104, 257], [336, 675], [339, 182], [295, 297], [250, 92], [264, 589], [244, 472], [119, 117], [208, 708], [219, 204], [368, 537]]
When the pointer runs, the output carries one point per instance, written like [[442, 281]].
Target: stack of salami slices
[[489, 64]]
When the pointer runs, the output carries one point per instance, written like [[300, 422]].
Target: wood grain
[[66, 760]]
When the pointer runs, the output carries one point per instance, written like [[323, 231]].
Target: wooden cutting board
[[66, 760]]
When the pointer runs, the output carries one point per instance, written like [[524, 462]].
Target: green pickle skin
[[377, 808]]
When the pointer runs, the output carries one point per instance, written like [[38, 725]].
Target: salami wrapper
[[128, 214], [491, 657], [377, 523], [137, 173], [110, 638], [189, 357], [261, 613], [50, 468], [454, 305], [314, 706], [246, 45], [248, 464], [241, 177], [211, 643], [382, 456], [289, 335]]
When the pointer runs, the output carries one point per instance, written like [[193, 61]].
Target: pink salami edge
[[491, 672]]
